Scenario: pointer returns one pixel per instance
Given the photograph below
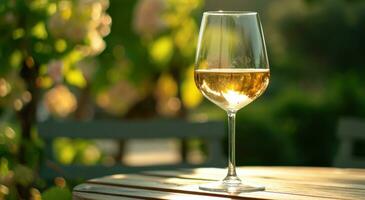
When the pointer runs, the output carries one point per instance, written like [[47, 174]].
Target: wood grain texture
[[118, 191], [280, 182]]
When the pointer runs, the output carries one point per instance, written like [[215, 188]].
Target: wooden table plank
[[293, 178], [82, 194], [332, 174], [93, 196], [280, 182], [326, 189], [109, 191], [178, 185]]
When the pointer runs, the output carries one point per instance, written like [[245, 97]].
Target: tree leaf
[[56, 193]]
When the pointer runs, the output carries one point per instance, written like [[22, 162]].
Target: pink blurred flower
[[147, 17], [55, 70], [119, 98], [83, 22], [60, 101]]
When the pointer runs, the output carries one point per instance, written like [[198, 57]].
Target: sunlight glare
[[235, 98]]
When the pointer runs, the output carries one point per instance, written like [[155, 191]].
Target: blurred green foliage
[[41, 46], [56, 193], [149, 58], [316, 75]]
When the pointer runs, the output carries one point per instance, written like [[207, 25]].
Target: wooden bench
[[350, 130], [211, 132]]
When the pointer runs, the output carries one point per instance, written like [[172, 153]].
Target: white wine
[[232, 88]]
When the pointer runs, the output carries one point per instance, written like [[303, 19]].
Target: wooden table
[[280, 182]]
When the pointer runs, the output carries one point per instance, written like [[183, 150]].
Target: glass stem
[[231, 178]]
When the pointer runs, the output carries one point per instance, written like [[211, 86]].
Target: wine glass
[[231, 70]]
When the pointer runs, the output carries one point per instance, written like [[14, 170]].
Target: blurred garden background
[[133, 60]]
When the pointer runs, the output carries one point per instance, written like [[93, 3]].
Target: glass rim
[[223, 12]]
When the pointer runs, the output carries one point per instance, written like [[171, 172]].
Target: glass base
[[230, 188]]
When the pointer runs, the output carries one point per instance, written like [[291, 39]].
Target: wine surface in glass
[[232, 88]]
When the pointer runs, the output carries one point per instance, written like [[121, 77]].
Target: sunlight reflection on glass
[[236, 98]]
